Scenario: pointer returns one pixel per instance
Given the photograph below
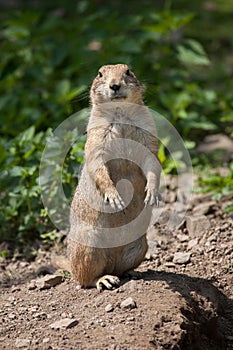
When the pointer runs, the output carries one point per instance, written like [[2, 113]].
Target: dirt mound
[[182, 297], [166, 311]]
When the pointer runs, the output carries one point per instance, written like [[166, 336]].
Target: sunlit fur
[[92, 265]]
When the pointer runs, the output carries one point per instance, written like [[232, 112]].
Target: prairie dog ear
[[129, 73]]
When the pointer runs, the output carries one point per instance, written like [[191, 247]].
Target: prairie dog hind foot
[[108, 282]]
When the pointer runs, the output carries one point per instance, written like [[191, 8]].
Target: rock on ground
[[65, 323], [197, 225], [48, 281], [181, 258], [128, 303], [22, 343]]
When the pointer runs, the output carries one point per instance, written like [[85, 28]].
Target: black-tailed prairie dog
[[112, 205]]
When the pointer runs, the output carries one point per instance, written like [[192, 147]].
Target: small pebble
[[109, 308], [22, 343], [64, 323], [181, 258], [128, 304]]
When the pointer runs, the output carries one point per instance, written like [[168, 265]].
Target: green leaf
[[75, 92], [62, 90], [192, 52], [27, 135], [17, 171], [16, 32], [3, 153], [189, 144], [130, 45], [227, 118]]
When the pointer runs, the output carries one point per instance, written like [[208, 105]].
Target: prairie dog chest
[[123, 126], [123, 131]]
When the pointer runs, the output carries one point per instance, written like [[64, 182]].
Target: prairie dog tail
[[61, 262]]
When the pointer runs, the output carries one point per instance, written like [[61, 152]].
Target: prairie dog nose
[[115, 87]]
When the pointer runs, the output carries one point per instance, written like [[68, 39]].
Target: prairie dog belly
[[129, 180], [94, 223]]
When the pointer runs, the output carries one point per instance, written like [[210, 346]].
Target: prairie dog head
[[116, 83]]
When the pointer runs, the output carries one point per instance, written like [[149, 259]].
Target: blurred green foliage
[[213, 181], [49, 56], [22, 214]]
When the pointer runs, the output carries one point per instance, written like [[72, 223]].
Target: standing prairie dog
[[112, 204]]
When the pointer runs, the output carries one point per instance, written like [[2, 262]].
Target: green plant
[[216, 183], [22, 216], [3, 254], [48, 60]]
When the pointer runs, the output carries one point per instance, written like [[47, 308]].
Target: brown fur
[[96, 256]]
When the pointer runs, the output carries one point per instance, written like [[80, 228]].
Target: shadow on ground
[[208, 317]]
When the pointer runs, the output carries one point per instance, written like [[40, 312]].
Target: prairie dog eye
[[100, 74], [128, 73]]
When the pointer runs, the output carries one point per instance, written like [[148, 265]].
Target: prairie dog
[[112, 204]]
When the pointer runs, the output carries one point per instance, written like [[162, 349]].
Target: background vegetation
[[50, 52]]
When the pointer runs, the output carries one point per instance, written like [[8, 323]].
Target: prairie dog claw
[[152, 197], [115, 200], [107, 281]]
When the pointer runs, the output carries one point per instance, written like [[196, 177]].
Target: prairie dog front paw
[[113, 198], [152, 197]]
